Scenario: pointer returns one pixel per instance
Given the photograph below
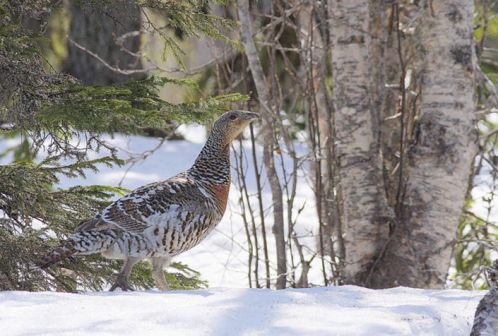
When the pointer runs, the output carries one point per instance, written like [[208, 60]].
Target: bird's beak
[[250, 116]]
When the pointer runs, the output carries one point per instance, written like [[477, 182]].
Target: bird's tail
[[82, 242], [61, 252]]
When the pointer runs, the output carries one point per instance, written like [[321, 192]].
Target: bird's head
[[232, 123]]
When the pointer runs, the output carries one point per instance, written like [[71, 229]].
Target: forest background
[[386, 111]]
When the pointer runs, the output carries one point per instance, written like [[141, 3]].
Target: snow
[[347, 310]]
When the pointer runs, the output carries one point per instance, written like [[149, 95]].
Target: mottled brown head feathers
[[232, 123]]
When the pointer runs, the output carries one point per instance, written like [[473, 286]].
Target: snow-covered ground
[[347, 310]]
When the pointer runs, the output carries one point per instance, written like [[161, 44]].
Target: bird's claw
[[121, 283]]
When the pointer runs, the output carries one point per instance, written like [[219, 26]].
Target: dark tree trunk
[[96, 27]]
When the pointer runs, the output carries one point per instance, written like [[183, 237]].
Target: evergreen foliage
[[50, 112]]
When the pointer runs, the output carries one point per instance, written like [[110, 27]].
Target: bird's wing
[[92, 224], [154, 202]]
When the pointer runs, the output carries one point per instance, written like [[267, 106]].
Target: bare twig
[[107, 65], [268, 137]]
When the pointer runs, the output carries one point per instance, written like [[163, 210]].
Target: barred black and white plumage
[[161, 220]]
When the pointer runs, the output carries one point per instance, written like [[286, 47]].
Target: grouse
[[163, 219]]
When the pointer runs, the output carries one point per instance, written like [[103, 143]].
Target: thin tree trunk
[[363, 205], [438, 161], [259, 190], [313, 54], [263, 91], [96, 27]]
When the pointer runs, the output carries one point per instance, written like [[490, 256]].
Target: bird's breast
[[220, 193]]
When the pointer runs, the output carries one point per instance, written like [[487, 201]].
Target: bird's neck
[[213, 163]]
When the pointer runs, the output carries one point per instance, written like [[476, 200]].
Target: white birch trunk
[[438, 162], [364, 206]]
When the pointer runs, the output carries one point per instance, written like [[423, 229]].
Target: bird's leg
[[158, 265], [122, 278]]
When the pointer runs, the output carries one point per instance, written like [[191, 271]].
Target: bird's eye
[[233, 117]]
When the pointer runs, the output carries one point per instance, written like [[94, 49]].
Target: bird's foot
[[121, 282]]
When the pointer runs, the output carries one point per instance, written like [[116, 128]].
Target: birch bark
[[439, 160], [363, 205]]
